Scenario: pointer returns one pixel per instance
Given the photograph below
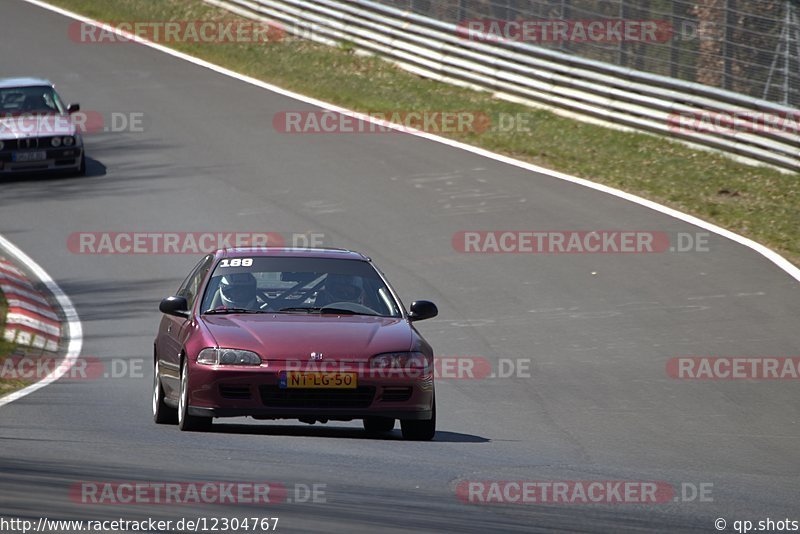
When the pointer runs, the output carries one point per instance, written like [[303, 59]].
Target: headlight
[[399, 360], [56, 141], [69, 141], [214, 356], [2, 144]]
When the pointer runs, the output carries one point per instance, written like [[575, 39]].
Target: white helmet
[[238, 290]]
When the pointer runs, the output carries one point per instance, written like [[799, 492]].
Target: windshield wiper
[[343, 311], [232, 310], [324, 309]]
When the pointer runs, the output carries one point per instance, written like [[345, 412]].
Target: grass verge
[[757, 202]]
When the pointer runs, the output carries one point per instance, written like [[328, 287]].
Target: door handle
[[169, 329]]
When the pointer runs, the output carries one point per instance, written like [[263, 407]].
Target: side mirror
[[73, 108], [176, 306], [422, 309]]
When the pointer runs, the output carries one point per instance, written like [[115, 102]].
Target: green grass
[[758, 202]]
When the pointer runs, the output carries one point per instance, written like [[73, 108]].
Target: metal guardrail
[[754, 130], [751, 47]]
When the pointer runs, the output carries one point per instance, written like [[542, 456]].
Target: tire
[[378, 424], [188, 422], [162, 414], [420, 430]]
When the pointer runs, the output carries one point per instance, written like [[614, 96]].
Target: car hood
[[23, 126], [295, 337]]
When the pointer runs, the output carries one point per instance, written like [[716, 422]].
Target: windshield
[[39, 99], [298, 285]]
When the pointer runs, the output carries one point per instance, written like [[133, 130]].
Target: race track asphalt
[[598, 329]]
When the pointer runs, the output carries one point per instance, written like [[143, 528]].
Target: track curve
[[598, 329]]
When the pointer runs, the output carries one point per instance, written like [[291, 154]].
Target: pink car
[[311, 334]]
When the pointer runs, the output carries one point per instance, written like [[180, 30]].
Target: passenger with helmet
[[239, 291]]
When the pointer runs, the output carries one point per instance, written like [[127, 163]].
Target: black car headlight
[[221, 356], [55, 142], [69, 141]]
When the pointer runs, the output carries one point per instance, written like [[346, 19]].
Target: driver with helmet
[[239, 291], [341, 288]]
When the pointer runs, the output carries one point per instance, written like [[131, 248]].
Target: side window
[[191, 285]]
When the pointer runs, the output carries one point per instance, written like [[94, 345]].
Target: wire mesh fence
[[751, 47]]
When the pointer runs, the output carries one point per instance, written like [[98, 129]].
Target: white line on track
[[74, 330]]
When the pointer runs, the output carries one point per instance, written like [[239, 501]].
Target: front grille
[[28, 143], [360, 397], [396, 394], [234, 391]]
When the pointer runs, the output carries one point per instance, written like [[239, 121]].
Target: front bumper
[[219, 391], [339, 415], [57, 159]]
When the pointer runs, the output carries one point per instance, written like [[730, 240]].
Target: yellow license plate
[[318, 380]]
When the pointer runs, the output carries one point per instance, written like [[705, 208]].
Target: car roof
[[6, 83], [289, 252]]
